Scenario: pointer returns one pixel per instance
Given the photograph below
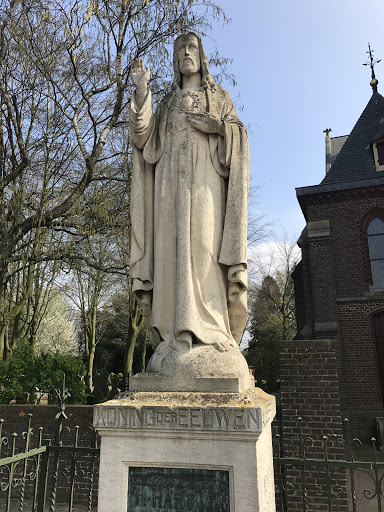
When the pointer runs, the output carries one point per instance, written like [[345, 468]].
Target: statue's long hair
[[206, 78]]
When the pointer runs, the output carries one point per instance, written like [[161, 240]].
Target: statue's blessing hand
[[139, 74]]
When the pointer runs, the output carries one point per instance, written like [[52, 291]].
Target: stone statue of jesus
[[189, 213]]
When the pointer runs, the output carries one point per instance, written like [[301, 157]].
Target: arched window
[[376, 252]]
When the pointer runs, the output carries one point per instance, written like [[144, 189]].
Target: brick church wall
[[357, 340], [341, 301], [309, 389], [348, 214]]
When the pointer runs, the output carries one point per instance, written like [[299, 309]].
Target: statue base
[[155, 382], [186, 451], [203, 368]]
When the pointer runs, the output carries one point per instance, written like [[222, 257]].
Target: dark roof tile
[[355, 160]]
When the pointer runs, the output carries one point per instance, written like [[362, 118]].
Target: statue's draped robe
[[189, 219]]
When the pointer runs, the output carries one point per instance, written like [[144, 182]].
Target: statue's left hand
[[206, 123]]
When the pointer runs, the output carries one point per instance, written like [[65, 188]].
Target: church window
[[378, 152], [376, 252]]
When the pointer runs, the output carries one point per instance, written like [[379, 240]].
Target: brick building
[[339, 283]]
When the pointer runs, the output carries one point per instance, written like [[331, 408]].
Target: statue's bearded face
[[189, 55]]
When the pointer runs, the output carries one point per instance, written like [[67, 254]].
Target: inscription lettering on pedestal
[[163, 418], [177, 490]]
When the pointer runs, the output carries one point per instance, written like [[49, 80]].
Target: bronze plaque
[[177, 490]]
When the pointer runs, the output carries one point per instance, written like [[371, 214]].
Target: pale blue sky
[[298, 66]]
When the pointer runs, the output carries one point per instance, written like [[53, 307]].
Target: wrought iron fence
[[326, 474], [38, 473], [41, 471]]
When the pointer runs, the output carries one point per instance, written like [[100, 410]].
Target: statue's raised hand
[[139, 74]]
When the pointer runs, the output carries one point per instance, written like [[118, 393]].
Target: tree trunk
[[33, 333], [2, 342], [135, 324], [91, 347], [7, 349], [133, 331], [139, 356], [16, 333], [3, 323], [89, 376]]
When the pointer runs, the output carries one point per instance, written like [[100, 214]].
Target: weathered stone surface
[[226, 412], [155, 382], [164, 418], [197, 431], [189, 220]]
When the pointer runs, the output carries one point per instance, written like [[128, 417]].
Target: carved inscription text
[[182, 418]]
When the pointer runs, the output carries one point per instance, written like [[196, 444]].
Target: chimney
[[328, 149]]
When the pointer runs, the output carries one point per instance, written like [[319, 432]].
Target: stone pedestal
[[187, 452]]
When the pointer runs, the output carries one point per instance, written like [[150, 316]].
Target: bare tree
[[271, 308], [64, 90]]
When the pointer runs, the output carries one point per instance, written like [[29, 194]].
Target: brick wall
[[16, 417], [309, 389], [360, 370], [349, 213], [323, 282], [336, 270], [362, 424], [298, 282], [307, 287]]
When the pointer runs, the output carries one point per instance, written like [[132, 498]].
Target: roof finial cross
[[371, 63]]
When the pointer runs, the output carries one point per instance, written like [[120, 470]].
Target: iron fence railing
[[325, 474], [36, 472]]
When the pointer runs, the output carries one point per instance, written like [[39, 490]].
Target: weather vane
[[327, 131], [372, 62]]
